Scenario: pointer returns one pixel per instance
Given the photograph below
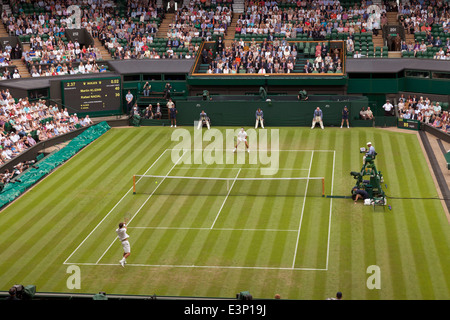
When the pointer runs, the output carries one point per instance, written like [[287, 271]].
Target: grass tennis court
[[213, 237]]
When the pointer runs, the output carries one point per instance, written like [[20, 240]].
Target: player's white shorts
[[126, 246], [242, 139]]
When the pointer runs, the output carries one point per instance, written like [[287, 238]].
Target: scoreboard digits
[[92, 95], [408, 124]]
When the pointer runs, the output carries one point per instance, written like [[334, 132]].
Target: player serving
[[123, 237], [242, 137]]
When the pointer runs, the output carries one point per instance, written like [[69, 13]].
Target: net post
[[134, 184], [323, 187]]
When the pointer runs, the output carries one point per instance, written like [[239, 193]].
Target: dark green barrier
[[276, 113]]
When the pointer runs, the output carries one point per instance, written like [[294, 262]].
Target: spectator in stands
[[357, 54], [148, 112], [437, 123], [427, 115], [167, 91], [437, 109], [350, 44], [369, 114], [363, 114], [146, 89], [404, 47], [158, 112]]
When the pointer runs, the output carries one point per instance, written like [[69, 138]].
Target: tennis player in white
[[123, 237], [242, 137]]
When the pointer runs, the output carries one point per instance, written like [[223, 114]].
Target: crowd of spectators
[[24, 123], [50, 52], [129, 36], [193, 23], [442, 48], [54, 57], [8, 53], [424, 110], [419, 16], [277, 56], [199, 20], [265, 57], [430, 20], [202, 20], [130, 33], [315, 18]]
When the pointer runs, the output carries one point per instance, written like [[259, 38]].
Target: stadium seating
[[134, 33]]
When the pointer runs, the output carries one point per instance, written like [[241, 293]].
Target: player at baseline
[[242, 137], [123, 237]]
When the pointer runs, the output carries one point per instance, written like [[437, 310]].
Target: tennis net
[[238, 186]]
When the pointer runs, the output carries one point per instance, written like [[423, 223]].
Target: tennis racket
[[126, 217]]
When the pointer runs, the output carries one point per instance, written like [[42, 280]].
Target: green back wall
[[276, 113]]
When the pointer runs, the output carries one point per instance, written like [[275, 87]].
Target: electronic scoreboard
[[408, 124], [91, 95]]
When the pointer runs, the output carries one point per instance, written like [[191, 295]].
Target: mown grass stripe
[[108, 168], [404, 209], [393, 235], [44, 217]]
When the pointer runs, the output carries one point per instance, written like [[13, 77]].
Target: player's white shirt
[[122, 233], [242, 136]]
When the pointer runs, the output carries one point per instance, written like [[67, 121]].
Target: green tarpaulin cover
[[13, 190]]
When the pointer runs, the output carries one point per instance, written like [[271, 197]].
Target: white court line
[[199, 266], [215, 229], [258, 150], [223, 203], [225, 229], [224, 168], [140, 208], [303, 209], [65, 262], [234, 179], [329, 217]]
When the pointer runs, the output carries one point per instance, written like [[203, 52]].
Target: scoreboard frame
[[408, 124], [96, 86]]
